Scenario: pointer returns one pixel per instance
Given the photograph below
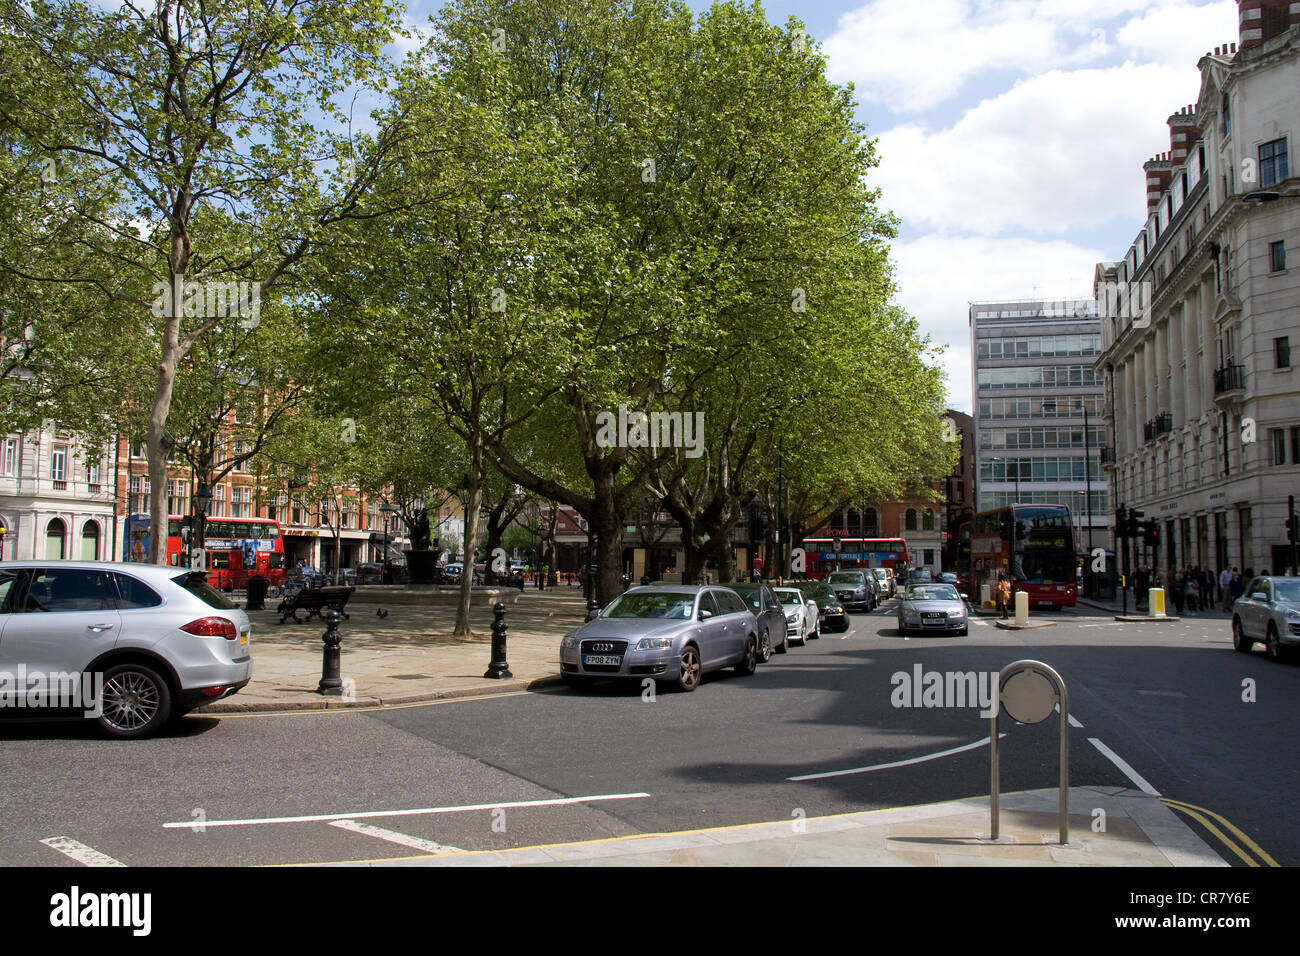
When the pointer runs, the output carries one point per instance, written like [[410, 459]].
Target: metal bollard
[[593, 610], [331, 682], [498, 668]]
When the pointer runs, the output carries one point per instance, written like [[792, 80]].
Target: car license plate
[[243, 637], [601, 661]]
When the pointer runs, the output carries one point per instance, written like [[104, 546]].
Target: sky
[[1011, 135]]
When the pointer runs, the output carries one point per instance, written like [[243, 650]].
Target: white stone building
[[1203, 400]]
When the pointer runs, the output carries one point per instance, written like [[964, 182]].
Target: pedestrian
[[1207, 589], [1004, 594], [1236, 589], [1225, 586], [1141, 582], [1190, 590], [1173, 590]]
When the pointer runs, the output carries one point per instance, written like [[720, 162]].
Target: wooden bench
[[310, 602]]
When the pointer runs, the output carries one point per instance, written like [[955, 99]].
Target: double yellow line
[[1205, 817]]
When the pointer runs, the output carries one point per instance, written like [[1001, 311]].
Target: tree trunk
[[161, 408], [471, 534]]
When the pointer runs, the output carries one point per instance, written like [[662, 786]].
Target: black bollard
[[593, 610], [331, 682], [498, 668]]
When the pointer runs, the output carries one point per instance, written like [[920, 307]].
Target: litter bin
[[257, 586]]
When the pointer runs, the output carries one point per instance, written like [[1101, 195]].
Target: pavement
[[1136, 829], [409, 655]]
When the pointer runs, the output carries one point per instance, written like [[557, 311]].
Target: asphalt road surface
[[1170, 704]]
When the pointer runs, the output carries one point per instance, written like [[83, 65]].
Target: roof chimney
[[1159, 171], [1261, 20], [1184, 133]]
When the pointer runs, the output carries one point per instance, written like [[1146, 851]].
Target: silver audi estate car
[[1269, 611], [932, 607], [147, 642], [671, 633]]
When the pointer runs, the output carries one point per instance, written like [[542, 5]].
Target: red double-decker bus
[[235, 547], [822, 558], [1033, 545]]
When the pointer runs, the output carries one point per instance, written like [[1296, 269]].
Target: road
[[562, 765]]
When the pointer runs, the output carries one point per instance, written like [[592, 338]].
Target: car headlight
[[792, 617], [653, 643], [1292, 614], [960, 612], [569, 641]]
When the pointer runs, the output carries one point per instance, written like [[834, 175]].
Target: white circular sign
[[1029, 696]]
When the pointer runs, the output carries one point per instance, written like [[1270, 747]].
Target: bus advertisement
[[822, 558], [1033, 545], [235, 547]]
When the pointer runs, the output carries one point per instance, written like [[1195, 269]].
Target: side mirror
[[1259, 596], [705, 615]]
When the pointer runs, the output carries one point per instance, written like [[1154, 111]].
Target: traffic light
[[1121, 522], [1134, 522], [1151, 533]]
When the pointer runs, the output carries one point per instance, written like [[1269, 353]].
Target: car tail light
[[212, 627]]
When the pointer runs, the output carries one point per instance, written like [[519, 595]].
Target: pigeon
[[382, 612]]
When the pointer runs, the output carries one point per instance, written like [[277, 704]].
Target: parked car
[[673, 634], [919, 576], [765, 606], [801, 615], [371, 573], [853, 588], [160, 638], [830, 612], [885, 581], [1268, 612], [949, 577], [932, 608]]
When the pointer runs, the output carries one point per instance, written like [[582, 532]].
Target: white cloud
[[912, 57], [419, 35], [939, 277], [1058, 151], [1179, 35]]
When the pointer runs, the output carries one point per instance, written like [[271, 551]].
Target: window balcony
[[1162, 424], [1229, 379]]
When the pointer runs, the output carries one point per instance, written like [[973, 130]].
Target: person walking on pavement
[[1236, 589], [1141, 582], [1004, 594], [1225, 587], [1174, 589]]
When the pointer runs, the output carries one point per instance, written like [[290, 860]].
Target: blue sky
[[1011, 135]]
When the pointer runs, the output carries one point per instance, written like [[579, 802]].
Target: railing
[[1107, 455], [1162, 424], [1230, 378]]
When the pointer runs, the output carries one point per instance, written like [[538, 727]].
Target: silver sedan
[[932, 608], [801, 614]]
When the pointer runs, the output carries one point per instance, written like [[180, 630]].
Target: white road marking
[[1073, 721], [392, 836], [365, 814], [85, 855], [896, 763], [1128, 771]]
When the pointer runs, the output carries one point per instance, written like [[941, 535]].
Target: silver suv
[[1269, 611], [131, 645]]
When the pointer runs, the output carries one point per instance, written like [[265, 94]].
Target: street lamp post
[[202, 501], [386, 509]]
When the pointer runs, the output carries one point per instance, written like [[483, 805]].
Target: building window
[[1279, 445], [139, 495], [927, 523], [872, 520], [910, 520], [92, 474], [137, 450], [1295, 445], [1281, 353], [54, 535], [177, 497], [11, 456], [241, 500], [1272, 163], [1277, 256], [59, 463], [219, 502]]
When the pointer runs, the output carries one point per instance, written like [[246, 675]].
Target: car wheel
[[817, 632], [689, 678], [902, 630], [1276, 652], [749, 663], [135, 703], [1240, 642], [765, 649], [963, 632], [783, 646]]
